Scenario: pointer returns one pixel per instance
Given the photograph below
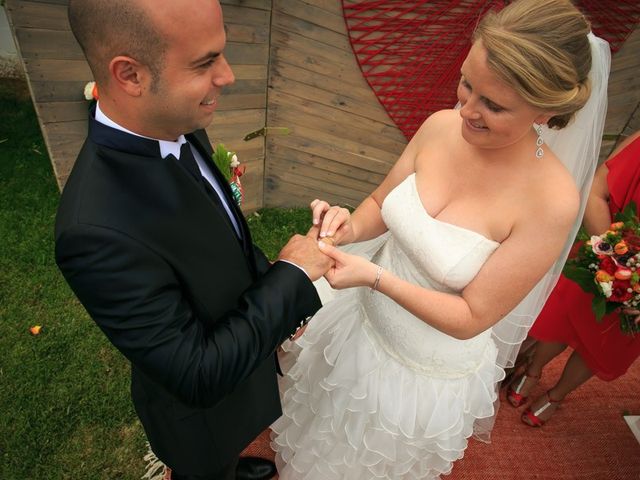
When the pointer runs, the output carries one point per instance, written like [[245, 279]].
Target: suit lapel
[[203, 146], [134, 145]]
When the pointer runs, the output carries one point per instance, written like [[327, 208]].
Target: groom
[[151, 242]]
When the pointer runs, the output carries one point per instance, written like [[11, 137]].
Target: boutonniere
[[228, 164], [91, 91]]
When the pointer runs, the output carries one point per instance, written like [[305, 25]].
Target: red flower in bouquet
[[620, 291], [608, 266]]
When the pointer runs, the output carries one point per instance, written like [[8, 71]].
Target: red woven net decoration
[[411, 51], [613, 20]]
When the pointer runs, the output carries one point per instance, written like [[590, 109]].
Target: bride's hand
[[348, 270], [334, 222]]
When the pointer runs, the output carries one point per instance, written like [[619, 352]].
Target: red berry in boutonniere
[[228, 164]]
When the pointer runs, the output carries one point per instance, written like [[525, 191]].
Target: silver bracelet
[[377, 281]]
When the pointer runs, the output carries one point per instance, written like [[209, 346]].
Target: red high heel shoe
[[514, 395], [532, 418]]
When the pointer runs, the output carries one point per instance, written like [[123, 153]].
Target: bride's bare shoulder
[[555, 190], [436, 123]]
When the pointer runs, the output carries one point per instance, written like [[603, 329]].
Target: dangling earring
[[539, 142]]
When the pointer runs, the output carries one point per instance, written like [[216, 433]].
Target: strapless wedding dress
[[375, 392]]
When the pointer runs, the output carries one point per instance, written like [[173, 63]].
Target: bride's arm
[[366, 221], [504, 280]]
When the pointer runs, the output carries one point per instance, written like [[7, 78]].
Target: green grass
[[64, 394]]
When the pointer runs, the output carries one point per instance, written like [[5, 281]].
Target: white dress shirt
[[173, 148]]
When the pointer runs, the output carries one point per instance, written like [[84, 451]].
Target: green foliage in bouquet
[[606, 266], [222, 158]]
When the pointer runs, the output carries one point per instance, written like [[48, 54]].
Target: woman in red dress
[[599, 349]]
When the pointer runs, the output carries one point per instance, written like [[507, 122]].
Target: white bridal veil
[[578, 147]]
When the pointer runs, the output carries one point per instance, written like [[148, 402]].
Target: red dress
[[567, 316]]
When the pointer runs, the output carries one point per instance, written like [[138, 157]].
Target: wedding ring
[[328, 240]]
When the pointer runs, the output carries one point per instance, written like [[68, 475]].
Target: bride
[[393, 377]]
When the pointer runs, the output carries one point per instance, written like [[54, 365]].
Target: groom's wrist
[[295, 265]]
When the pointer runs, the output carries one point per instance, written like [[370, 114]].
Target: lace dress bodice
[[435, 255]]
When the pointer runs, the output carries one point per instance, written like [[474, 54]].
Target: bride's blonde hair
[[540, 48]]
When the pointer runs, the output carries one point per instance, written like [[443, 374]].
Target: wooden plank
[[233, 117], [244, 87], [327, 163], [233, 133], [286, 108], [247, 54], [618, 117], [313, 51], [360, 92], [34, 14], [312, 14], [370, 157], [13, 3], [247, 33], [622, 81], [250, 72], [43, 44], [71, 91], [370, 111], [346, 194], [349, 160], [323, 145], [633, 125], [330, 6], [296, 167], [625, 59], [280, 192], [261, 4], [312, 60], [241, 15], [306, 67], [334, 137], [55, 2], [53, 70], [51, 112], [64, 150], [288, 24], [247, 153], [239, 101]]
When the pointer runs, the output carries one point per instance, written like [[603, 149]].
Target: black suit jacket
[[198, 313]]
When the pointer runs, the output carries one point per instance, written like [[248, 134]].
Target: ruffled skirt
[[353, 411]]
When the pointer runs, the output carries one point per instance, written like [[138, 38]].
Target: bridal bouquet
[[227, 162], [608, 266]]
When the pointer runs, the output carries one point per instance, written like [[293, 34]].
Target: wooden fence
[[326, 134]]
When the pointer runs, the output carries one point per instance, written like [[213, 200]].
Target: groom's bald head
[[108, 28]]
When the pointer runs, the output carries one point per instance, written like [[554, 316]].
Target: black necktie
[[188, 161]]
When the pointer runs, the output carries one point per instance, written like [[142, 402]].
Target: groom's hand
[[303, 251]]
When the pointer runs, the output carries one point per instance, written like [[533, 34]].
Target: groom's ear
[[129, 75]]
